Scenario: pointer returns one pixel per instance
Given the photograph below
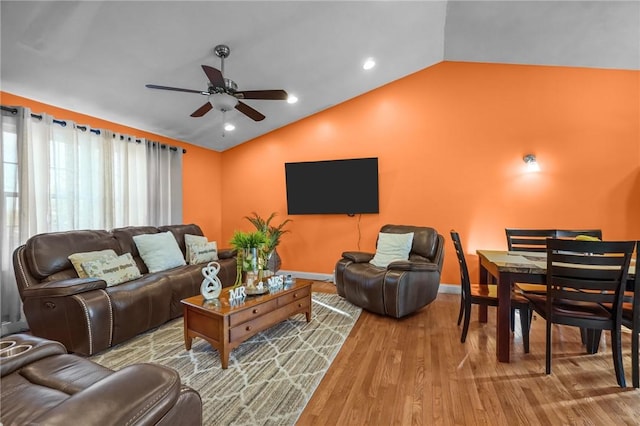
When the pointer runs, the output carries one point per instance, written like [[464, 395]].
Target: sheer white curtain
[[164, 170], [127, 168], [57, 176]]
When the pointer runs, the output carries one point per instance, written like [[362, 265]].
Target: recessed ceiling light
[[229, 127], [368, 64], [292, 99]]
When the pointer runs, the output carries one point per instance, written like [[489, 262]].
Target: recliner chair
[[401, 288]]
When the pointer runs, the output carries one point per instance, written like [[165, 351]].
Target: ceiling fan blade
[[249, 112], [273, 95], [202, 110], [214, 75], [176, 89]]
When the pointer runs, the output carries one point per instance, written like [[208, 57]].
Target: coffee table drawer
[[249, 328], [250, 313], [301, 294]]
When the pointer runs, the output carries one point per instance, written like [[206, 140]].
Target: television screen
[[332, 187]]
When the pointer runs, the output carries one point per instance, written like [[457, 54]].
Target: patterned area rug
[[271, 376]]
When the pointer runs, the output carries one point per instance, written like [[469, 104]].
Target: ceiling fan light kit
[[223, 101], [223, 92]]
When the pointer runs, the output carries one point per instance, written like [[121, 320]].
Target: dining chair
[[532, 240], [631, 319], [486, 295], [520, 235], [582, 276]]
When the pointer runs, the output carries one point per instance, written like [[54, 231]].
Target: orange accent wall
[[202, 167], [450, 141]]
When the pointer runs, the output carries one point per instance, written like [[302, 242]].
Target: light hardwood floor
[[415, 371]]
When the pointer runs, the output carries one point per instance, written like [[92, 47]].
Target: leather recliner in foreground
[[403, 286], [44, 385]]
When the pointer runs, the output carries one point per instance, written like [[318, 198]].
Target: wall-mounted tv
[[332, 187]]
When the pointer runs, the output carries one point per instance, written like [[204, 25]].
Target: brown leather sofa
[[402, 287], [44, 385], [84, 314]]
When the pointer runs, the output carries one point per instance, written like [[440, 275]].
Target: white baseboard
[[449, 288], [444, 288], [308, 275]]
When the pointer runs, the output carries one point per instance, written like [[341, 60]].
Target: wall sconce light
[[532, 163]]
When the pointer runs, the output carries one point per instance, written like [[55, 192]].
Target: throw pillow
[[114, 270], [77, 259], [190, 240], [159, 251], [392, 247], [203, 253]]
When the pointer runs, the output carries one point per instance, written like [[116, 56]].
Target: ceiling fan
[[223, 93]]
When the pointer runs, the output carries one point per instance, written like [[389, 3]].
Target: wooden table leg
[[224, 356], [482, 309], [187, 338], [503, 329], [308, 313]]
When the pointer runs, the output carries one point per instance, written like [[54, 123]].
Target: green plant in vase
[[273, 234], [248, 245]]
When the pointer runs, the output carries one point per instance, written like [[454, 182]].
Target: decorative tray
[[252, 291]]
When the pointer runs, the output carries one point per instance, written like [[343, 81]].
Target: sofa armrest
[[405, 265], [227, 253], [139, 394], [357, 256], [64, 288]]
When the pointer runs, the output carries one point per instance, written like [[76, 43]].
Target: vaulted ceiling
[[95, 57]]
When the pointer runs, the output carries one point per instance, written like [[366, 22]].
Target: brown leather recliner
[[44, 385], [402, 287]]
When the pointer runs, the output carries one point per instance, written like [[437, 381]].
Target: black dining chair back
[[583, 277], [485, 295], [528, 239], [631, 319], [535, 240]]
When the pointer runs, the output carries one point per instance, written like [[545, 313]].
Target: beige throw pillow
[[191, 240], [159, 251], [113, 270], [77, 259], [203, 253], [392, 247]]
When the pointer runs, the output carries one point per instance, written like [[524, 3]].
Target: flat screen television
[[332, 187]]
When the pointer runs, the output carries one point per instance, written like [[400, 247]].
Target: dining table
[[505, 268]]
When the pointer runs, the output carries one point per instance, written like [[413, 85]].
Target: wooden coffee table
[[225, 325]]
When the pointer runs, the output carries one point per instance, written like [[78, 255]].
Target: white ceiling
[[95, 57]]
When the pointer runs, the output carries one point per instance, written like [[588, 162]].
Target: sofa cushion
[[191, 240], [203, 253], [159, 251], [392, 247], [179, 231], [140, 305], [425, 246], [113, 270], [125, 235], [49, 253], [66, 373], [77, 259]]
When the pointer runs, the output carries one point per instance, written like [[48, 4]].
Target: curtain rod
[[63, 123]]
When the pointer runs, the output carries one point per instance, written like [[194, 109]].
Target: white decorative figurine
[[211, 285]]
